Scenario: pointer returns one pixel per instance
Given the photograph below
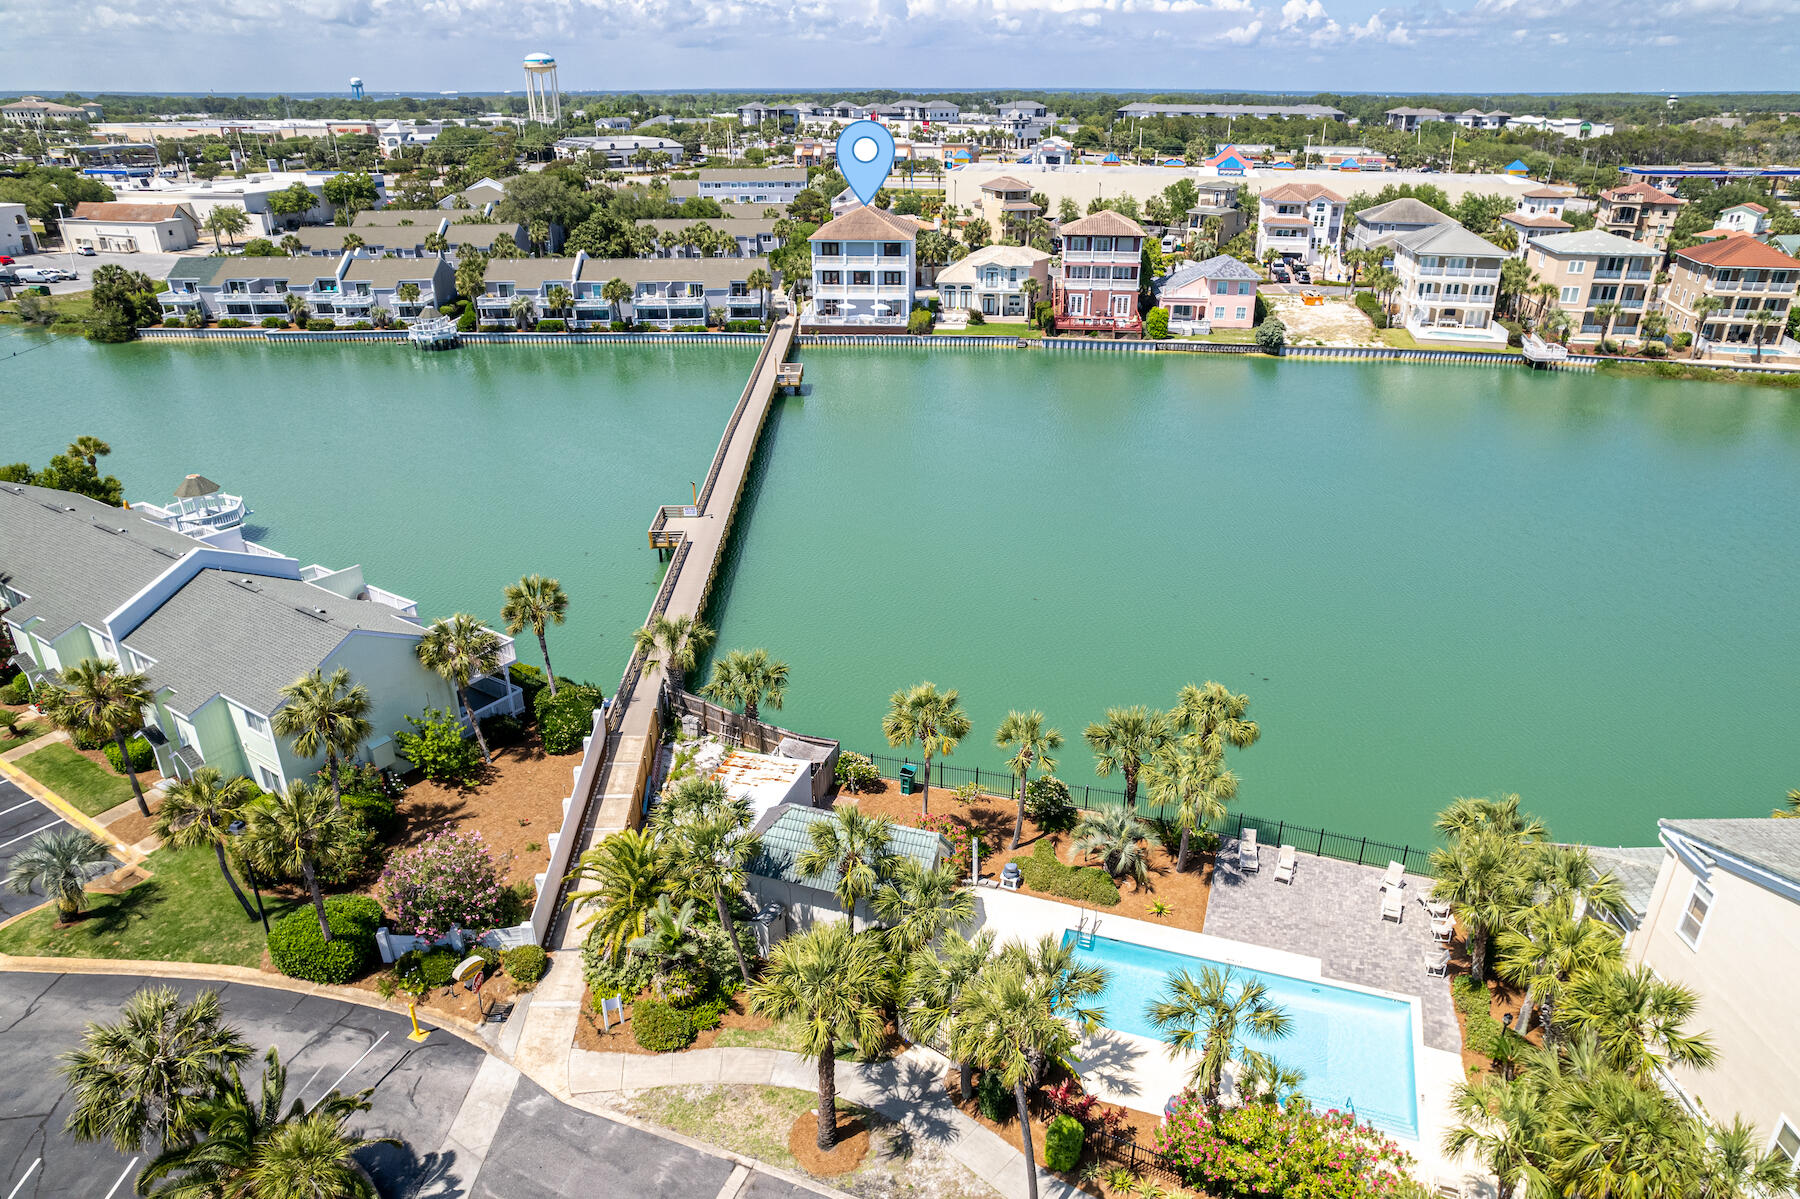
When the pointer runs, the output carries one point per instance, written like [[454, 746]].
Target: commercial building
[[1302, 222], [16, 236], [1096, 287], [1308, 112], [865, 270], [131, 228], [1717, 287], [991, 281], [1591, 269], [1724, 921], [1640, 212], [1217, 293], [619, 150], [1449, 280], [36, 112], [220, 625]]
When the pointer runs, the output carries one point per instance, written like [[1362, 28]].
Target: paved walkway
[[907, 1090]]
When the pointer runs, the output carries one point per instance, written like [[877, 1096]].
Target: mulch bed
[[847, 1154], [453, 1000], [1141, 1126], [1503, 1005], [515, 807], [1185, 893], [588, 1033]]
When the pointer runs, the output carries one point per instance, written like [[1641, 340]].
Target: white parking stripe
[[34, 832], [122, 1176], [24, 1178], [17, 806]]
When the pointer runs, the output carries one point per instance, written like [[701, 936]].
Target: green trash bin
[[907, 772]]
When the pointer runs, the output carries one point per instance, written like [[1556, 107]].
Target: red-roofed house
[[1096, 287], [1639, 212], [1716, 286], [1302, 222], [124, 228]]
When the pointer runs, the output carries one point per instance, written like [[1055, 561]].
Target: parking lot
[[156, 266], [21, 819]]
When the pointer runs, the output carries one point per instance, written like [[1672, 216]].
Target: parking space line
[[17, 806], [34, 832], [353, 1066], [123, 1175], [24, 1178]]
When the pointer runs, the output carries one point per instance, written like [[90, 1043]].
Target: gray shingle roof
[[426, 219], [1219, 266], [734, 225], [1404, 211], [1635, 867], [712, 272], [199, 269], [247, 637], [1593, 241], [72, 568], [1765, 842], [1450, 238], [785, 835]]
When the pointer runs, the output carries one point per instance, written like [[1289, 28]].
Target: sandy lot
[[1333, 323]]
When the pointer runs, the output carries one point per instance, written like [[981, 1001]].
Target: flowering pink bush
[[1261, 1149], [449, 881]]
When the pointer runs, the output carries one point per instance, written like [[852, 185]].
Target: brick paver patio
[[1332, 911]]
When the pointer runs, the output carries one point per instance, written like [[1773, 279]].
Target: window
[[831, 278], [1242, 313], [830, 249], [1219, 313], [255, 723], [1787, 1141], [891, 249], [1569, 295], [862, 278], [1103, 243], [1693, 917], [1121, 305], [1578, 267], [267, 779], [893, 278]]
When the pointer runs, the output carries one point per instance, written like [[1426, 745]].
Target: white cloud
[[1296, 11], [1242, 35]]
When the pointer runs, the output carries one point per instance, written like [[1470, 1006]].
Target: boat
[[200, 507], [1543, 353]]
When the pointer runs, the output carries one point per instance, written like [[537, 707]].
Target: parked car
[[6, 259], [38, 274], [85, 251]]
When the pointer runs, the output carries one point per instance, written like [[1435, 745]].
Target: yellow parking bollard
[[412, 1013]]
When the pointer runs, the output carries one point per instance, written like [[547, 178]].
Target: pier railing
[[1324, 843]]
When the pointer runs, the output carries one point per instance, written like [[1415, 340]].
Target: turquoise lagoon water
[[1356, 1049]]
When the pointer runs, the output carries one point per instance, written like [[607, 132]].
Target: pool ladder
[[1084, 939]]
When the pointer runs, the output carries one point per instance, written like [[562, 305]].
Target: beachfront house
[[345, 292], [991, 281], [1716, 286], [805, 899], [1592, 269], [1449, 280], [1539, 214], [1747, 218], [1639, 212], [864, 271], [1376, 225], [220, 625], [1095, 287], [1219, 293], [1724, 921], [665, 292], [1300, 222]]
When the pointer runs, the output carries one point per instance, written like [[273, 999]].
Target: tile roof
[[128, 214], [1300, 193], [963, 269], [247, 637], [1643, 193], [785, 832], [70, 563], [1005, 183], [1739, 249], [1545, 193], [1750, 206], [1404, 211], [864, 222], [1541, 220], [1105, 223], [1594, 241], [1765, 842]]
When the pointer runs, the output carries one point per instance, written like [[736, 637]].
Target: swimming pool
[[1356, 1049]]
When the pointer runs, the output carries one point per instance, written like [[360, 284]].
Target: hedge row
[[1481, 1032], [1366, 301], [299, 950]]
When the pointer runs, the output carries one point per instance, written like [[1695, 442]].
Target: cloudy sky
[[1202, 45]]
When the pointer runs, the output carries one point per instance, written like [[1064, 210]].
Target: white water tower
[[543, 102], [356, 87]]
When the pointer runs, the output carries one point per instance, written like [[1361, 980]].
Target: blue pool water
[[1356, 1049]]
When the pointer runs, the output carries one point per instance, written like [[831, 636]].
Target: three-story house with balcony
[[1094, 287], [1449, 280], [1591, 270], [991, 281], [1639, 212], [1302, 222], [1716, 287], [865, 267]]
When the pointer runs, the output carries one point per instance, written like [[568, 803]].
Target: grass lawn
[[72, 306], [27, 730], [992, 329], [783, 1034], [90, 787], [183, 913], [750, 1120], [1236, 337], [1401, 339]]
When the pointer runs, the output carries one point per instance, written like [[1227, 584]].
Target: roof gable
[[867, 223], [1769, 844], [1739, 250], [1105, 223]]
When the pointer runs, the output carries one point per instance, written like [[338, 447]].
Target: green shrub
[[565, 718], [449, 309], [1366, 301], [618, 326], [977, 317], [1084, 884], [362, 325], [660, 1028], [993, 1098], [142, 756], [231, 322], [1683, 340], [436, 745], [855, 772], [1156, 324], [525, 965], [1259, 1149], [376, 812], [16, 692], [503, 730], [552, 325], [1048, 804], [1655, 349], [530, 680], [1271, 336], [1515, 332], [274, 322], [708, 1013], [298, 950], [320, 324], [919, 322], [1063, 1139], [426, 969], [466, 322], [83, 739], [1259, 312], [1481, 1032]]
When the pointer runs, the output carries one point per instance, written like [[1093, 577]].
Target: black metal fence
[[1324, 843]]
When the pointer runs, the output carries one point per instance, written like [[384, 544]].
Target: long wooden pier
[[610, 792]]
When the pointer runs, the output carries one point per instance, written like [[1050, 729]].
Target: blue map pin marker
[[865, 155]]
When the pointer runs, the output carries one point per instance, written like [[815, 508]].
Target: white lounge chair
[[1284, 865], [1439, 963], [1392, 906], [1442, 928], [1247, 855], [1393, 879]]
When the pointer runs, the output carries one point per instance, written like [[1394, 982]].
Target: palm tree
[[1546, 294], [923, 902], [1608, 311], [254, 1148], [1704, 307], [89, 449], [291, 245], [1205, 1018], [930, 718], [1052, 961], [1516, 278], [935, 977], [1557, 324], [325, 714], [761, 282], [1503, 817], [1639, 1021], [102, 703], [628, 876], [436, 243], [1792, 808], [1006, 1023], [617, 293], [201, 811], [353, 242], [1504, 1124], [298, 831], [140, 1079], [1194, 780], [1031, 287], [836, 984], [1124, 741], [557, 299], [853, 846], [1610, 1137], [523, 311], [675, 643], [58, 863], [1547, 948], [1481, 878], [1761, 321], [711, 858], [536, 602], [460, 650], [1025, 732], [748, 680], [538, 233], [1732, 1167], [297, 309], [669, 939], [1115, 836]]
